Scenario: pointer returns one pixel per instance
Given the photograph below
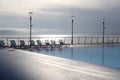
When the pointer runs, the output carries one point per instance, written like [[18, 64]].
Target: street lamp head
[[103, 19], [72, 16], [30, 13]]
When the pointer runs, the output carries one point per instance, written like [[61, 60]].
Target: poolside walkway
[[23, 65]]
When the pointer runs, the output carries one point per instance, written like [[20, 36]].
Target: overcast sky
[[54, 16]]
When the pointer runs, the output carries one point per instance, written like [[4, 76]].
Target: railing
[[67, 40], [93, 40]]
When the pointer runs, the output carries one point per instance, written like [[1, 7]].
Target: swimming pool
[[103, 55]]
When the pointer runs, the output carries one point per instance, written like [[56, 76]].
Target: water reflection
[[72, 52], [103, 55], [60, 49]]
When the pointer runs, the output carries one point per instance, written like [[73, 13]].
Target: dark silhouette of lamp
[[30, 14]]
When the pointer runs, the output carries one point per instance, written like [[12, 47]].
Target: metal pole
[[7, 42], [30, 26], [30, 13], [72, 30], [103, 30]]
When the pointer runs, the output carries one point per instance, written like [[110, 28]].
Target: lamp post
[[30, 14], [103, 30], [72, 30]]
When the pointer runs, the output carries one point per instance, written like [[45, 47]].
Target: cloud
[[15, 29], [53, 16], [24, 6], [12, 31], [8, 32], [25, 32], [40, 31]]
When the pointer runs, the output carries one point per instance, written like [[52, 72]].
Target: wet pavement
[[24, 65]]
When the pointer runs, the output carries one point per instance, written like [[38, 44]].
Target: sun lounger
[[13, 44], [43, 44], [2, 44], [61, 42], [53, 43], [39, 43], [32, 43], [22, 44], [47, 43]]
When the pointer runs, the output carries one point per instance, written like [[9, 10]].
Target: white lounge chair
[[47, 43], [61, 42], [53, 43], [39, 43]]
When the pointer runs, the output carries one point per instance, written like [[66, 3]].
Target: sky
[[54, 16]]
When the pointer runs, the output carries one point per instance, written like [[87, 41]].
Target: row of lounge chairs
[[46, 43]]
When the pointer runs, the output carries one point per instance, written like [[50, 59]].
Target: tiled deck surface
[[23, 65]]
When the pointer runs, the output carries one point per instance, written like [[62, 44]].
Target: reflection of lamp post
[[103, 30], [103, 56], [72, 29], [30, 14]]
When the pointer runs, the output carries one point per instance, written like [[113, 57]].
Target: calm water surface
[[103, 55]]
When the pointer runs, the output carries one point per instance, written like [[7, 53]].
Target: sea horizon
[[62, 35]]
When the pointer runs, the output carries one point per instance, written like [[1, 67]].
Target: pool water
[[103, 55]]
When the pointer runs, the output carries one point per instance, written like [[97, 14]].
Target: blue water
[[103, 55]]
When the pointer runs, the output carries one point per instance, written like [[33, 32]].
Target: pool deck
[[17, 64]]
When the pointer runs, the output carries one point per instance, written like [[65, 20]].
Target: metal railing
[[67, 40]]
